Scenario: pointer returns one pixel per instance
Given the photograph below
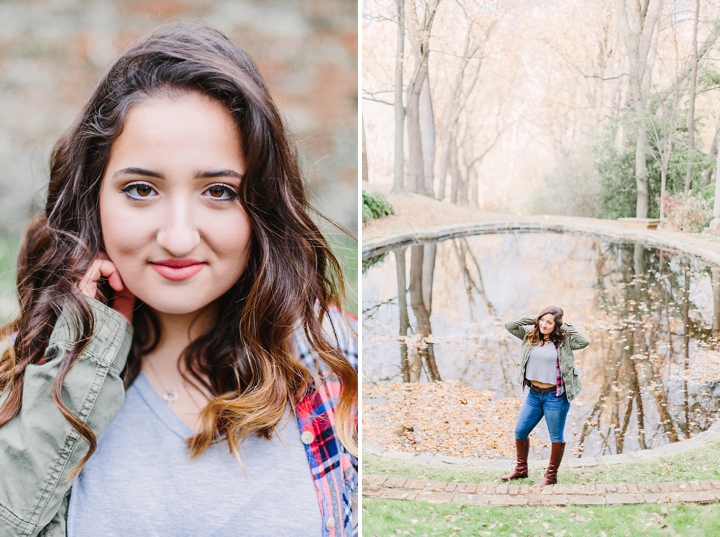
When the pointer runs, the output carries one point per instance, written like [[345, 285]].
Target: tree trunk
[[404, 319], [474, 187], [638, 25], [416, 168], [686, 348], [691, 103], [428, 273], [422, 317], [716, 300], [458, 100], [454, 172], [416, 165], [462, 198], [641, 207], [427, 132], [665, 160], [663, 138], [399, 169], [708, 174], [714, 226]]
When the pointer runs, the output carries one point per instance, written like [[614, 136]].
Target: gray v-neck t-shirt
[[542, 364], [140, 481]]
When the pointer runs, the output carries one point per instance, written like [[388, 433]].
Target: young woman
[[180, 364], [547, 368]]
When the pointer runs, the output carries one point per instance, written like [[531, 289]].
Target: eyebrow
[[210, 174]]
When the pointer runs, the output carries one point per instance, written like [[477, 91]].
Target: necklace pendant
[[170, 396]]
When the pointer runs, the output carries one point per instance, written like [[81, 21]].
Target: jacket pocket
[[577, 387]]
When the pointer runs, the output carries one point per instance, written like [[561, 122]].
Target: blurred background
[[53, 52]]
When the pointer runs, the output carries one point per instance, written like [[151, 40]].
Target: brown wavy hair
[[292, 280], [557, 336]]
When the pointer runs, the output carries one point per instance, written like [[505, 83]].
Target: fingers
[[99, 268], [88, 283], [123, 301], [110, 271]]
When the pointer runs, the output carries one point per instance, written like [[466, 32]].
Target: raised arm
[[517, 326], [38, 447], [577, 339]]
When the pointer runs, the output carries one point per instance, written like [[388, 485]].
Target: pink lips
[[177, 269]]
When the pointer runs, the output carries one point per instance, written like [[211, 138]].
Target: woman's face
[[171, 218], [546, 323]]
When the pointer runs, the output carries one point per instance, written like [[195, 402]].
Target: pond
[[651, 375]]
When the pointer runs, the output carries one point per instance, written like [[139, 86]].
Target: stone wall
[[52, 52]]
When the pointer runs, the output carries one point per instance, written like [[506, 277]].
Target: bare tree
[[638, 21], [402, 306], [427, 133], [714, 226], [691, 103], [422, 315], [476, 39], [662, 129], [421, 24], [716, 300], [399, 168]]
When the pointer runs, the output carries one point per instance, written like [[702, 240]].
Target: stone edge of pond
[[610, 229], [710, 435]]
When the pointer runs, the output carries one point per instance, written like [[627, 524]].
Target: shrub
[[615, 164], [370, 262], [375, 205], [690, 214]]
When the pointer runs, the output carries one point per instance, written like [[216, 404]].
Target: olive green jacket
[[574, 340], [38, 447]]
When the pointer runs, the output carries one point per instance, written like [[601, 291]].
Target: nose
[[179, 233]]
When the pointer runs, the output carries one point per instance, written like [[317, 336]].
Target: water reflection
[[650, 376]]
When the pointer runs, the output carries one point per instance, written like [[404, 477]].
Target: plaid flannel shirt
[[560, 386], [333, 468]]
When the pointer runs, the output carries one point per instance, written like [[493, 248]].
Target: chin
[[176, 303], [174, 309]]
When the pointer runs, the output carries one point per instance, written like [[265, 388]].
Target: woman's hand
[[123, 301]]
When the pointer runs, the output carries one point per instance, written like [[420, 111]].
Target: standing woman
[[547, 367], [181, 363]]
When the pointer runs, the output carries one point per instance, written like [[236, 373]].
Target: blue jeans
[[536, 405]]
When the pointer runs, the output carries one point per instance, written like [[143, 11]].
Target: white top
[[542, 364]]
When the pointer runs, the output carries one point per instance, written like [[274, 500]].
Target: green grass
[[385, 518], [700, 463], [346, 250], [392, 517], [9, 247]]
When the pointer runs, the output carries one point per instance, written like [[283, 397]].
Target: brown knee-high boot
[[556, 455], [521, 466]]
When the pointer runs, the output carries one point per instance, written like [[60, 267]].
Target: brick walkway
[[396, 488]]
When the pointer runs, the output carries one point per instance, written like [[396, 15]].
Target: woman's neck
[[162, 366], [177, 331]]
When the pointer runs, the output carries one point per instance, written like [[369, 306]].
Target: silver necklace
[[169, 395]]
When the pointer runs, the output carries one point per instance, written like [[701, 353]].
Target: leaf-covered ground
[[440, 418]]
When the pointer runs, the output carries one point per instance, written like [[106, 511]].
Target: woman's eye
[[221, 192], [139, 191]]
